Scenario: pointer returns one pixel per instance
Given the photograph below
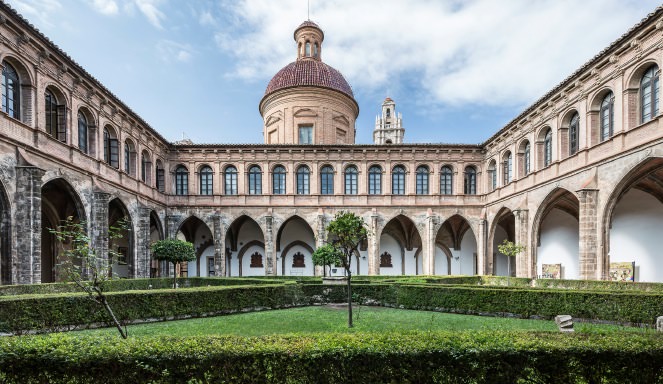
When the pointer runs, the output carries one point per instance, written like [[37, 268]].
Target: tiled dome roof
[[309, 73], [308, 23]]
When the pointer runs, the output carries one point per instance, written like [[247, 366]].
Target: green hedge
[[71, 311], [414, 357], [117, 285], [619, 307]]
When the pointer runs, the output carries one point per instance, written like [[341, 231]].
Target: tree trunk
[[349, 299], [174, 275], [112, 315]]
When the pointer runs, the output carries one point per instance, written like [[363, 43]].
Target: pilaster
[[523, 260], [142, 236], [219, 247], [373, 238], [27, 261], [270, 254], [588, 247], [483, 268], [99, 224]]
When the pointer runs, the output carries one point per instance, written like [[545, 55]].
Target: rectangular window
[[278, 182], [306, 134], [374, 183], [161, 179], [114, 153]]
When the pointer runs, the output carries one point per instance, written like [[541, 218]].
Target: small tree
[[173, 251], [81, 264], [345, 233], [510, 250], [326, 255]]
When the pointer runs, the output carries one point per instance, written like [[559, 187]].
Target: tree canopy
[[173, 251]]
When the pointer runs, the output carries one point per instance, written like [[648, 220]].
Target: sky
[[458, 70]]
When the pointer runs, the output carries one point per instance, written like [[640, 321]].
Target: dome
[[309, 73], [308, 23]]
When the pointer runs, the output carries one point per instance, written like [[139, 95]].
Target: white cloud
[[149, 8], [480, 51], [106, 7], [38, 9], [206, 18], [173, 51]]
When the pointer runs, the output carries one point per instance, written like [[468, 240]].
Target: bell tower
[[389, 125]]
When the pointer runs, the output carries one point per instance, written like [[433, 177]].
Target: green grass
[[334, 320]]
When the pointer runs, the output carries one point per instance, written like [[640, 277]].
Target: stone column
[[523, 260], [428, 254], [588, 247], [320, 240], [142, 236], [219, 246], [27, 260], [99, 224], [373, 245], [270, 254], [483, 268]]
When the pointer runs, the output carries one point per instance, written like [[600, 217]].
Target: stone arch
[[405, 233], [291, 231], [279, 232], [156, 233], [59, 200], [6, 256], [502, 227], [646, 178], [243, 230], [196, 231], [287, 249], [125, 265], [456, 239], [565, 208], [633, 79]]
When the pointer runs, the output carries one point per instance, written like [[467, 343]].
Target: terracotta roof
[[309, 73], [308, 23]]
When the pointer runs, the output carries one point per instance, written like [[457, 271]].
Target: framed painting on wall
[[551, 271], [622, 271]]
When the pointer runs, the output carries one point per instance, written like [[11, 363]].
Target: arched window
[[508, 168], [128, 154], [388, 112], [492, 173], [255, 180], [206, 180], [278, 180], [547, 148], [574, 129], [470, 181], [82, 132], [308, 49], [649, 94], [422, 180], [11, 99], [230, 180], [527, 159], [398, 180], [446, 180], [607, 116], [161, 177], [181, 180], [315, 50], [303, 180], [111, 150], [351, 180], [51, 112], [375, 180], [146, 168], [327, 180]]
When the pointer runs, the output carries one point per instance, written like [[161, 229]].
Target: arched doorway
[[400, 248], [156, 234], [556, 236], [246, 243], [295, 243], [503, 228], [455, 248], [5, 239], [59, 201], [634, 218], [195, 231], [123, 265]]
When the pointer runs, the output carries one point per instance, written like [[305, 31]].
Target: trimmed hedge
[[71, 311], [414, 357], [619, 307], [117, 285]]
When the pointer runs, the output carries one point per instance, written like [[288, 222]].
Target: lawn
[[333, 319]]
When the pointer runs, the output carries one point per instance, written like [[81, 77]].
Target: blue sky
[[458, 70]]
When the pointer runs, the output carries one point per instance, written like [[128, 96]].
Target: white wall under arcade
[[559, 243], [635, 236]]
